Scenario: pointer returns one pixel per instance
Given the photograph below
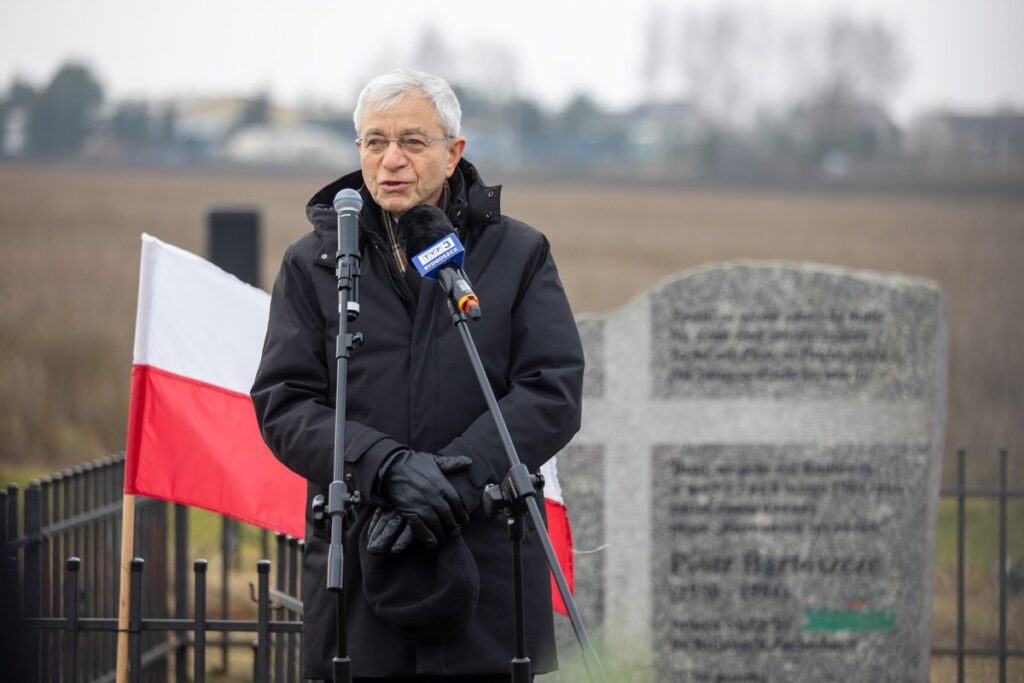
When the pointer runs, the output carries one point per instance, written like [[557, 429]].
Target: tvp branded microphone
[[437, 253], [348, 203]]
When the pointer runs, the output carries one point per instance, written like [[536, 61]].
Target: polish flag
[[192, 431], [558, 530]]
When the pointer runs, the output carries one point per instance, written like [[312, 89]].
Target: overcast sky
[[966, 54]]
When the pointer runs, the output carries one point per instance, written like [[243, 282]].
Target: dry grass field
[[69, 250], [69, 254]]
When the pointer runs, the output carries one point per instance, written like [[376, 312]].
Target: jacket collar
[[473, 204]]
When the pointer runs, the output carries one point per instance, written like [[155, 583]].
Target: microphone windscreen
[[422, 226], [348, 199]]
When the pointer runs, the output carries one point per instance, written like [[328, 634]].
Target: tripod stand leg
[[519, 480], [520, 663], [341, 666]]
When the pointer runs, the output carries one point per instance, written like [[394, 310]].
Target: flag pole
[[124, 600]]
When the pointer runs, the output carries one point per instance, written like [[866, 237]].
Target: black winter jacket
[[411, 384]]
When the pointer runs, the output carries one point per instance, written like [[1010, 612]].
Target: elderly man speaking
[[428, 575]]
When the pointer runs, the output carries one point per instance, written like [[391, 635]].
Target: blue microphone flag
[[447, 250]]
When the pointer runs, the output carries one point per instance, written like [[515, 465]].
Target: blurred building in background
[[952, 141]]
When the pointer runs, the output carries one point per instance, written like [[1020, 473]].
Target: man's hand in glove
[[387, 532], [425, 504]]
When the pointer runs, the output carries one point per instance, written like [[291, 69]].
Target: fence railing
[[1002, 494], [70, 605]]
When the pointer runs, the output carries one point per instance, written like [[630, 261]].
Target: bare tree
[[653, 67], [717, 56], [490, 68], [429, 52], [432, 53], [856, 60], [848, 71]]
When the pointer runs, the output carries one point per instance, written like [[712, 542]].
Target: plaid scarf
[[391, 230]]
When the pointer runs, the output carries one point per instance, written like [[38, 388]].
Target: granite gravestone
[[753, 492]]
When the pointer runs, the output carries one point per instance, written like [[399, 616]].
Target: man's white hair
[[386, 90]]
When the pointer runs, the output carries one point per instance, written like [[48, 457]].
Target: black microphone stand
[[340, 499], [514, 498]]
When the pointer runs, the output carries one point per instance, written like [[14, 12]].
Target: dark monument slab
[[755, 485]]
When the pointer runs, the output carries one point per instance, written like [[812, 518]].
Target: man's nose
[[394, 157]]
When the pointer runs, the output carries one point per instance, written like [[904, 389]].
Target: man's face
[[398, 179]]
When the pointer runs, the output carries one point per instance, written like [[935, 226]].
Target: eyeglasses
[[410, 144]]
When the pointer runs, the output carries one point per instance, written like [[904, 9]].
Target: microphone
[[348, 203], [436, 252]]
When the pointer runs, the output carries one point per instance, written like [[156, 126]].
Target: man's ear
[[455, 149]]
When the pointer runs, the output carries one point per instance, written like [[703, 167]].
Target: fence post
[[77, 489], [67, 549], [263, 624], [135, 622], [109, 493], [199, 658], [294, 587], [961, 497], [1003, 458], [33, 569], [158, 585], [279, 584], [71, 616], [226, 537], [16, 663], [90, 555], [12, 511], [51, 583], [67, 512], [180, 585], [3, 523]]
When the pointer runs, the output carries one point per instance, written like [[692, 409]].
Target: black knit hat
[[427, 592]]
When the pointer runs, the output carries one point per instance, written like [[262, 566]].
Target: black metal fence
[[1002, 494], [70, 606]]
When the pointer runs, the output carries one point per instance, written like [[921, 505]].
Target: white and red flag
[[192, 431], [558, 530]]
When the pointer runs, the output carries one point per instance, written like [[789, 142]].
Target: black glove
[[416, 486], [388, 531]]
